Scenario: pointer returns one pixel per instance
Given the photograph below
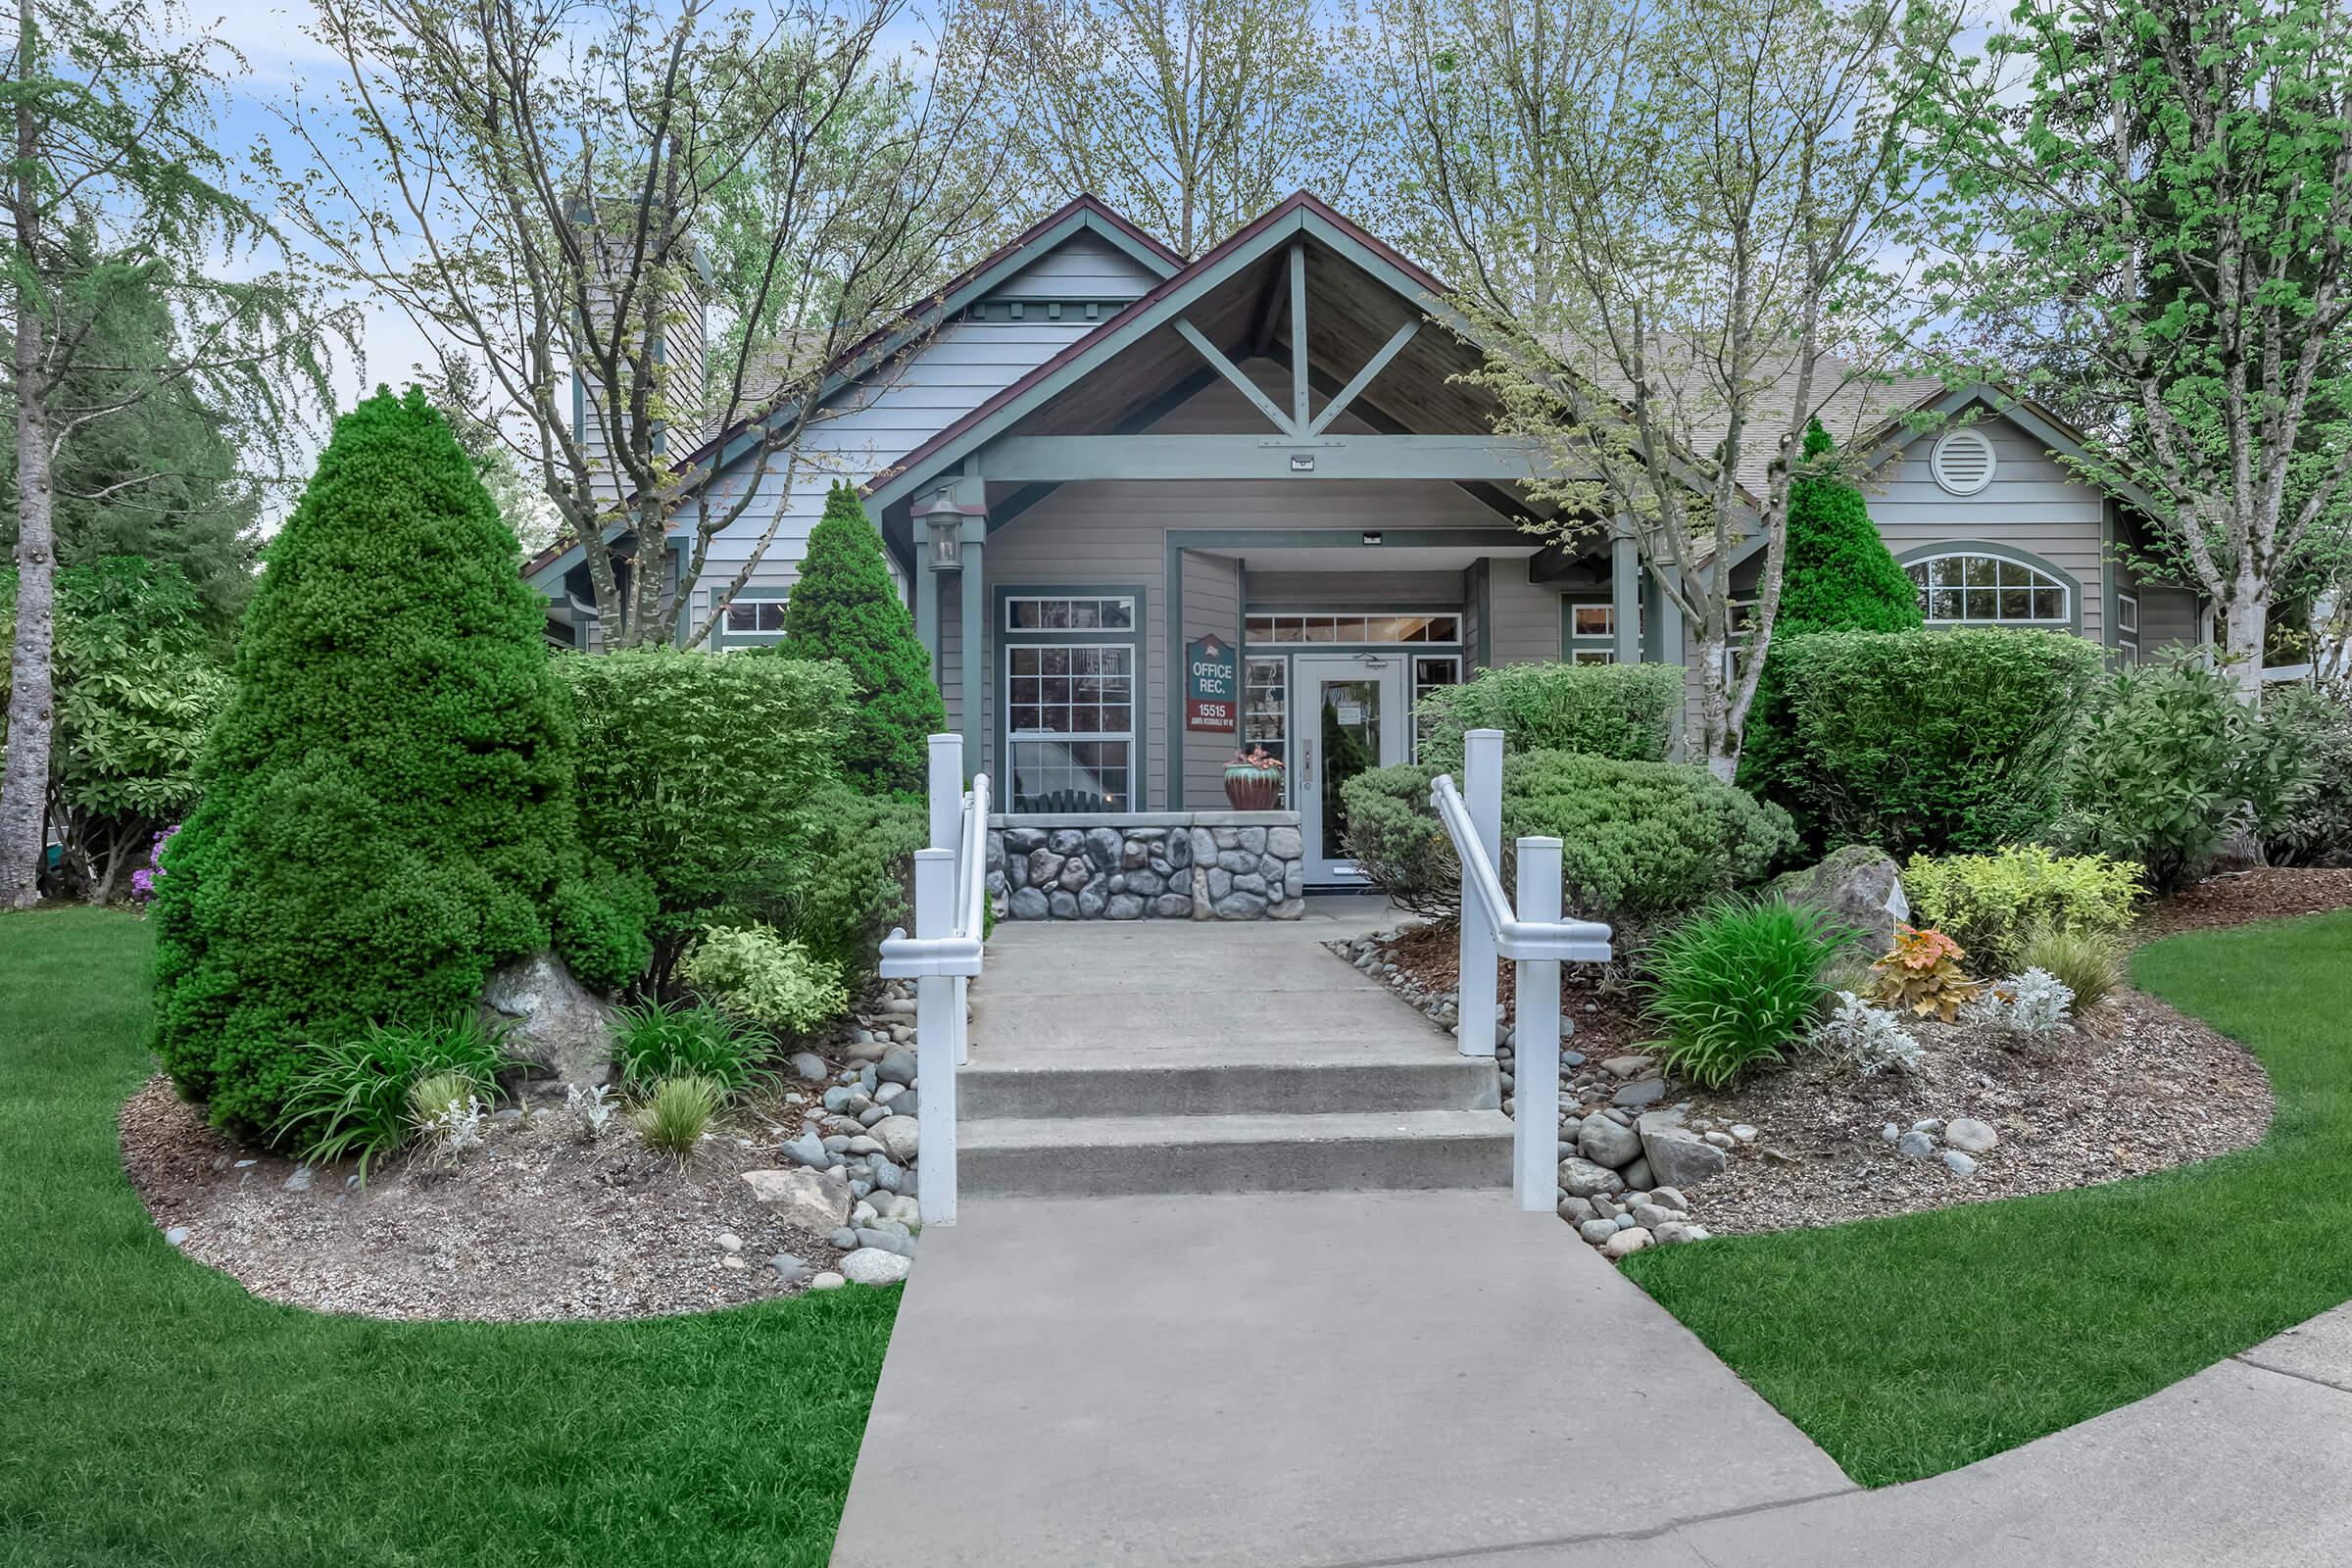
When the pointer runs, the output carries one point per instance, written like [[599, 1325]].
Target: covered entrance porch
[[1273, 458]]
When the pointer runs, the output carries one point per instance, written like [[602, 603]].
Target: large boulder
[[1858, 885], [551, 1019]]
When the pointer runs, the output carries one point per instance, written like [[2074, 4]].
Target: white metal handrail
[[1536, 941], [945, 953]]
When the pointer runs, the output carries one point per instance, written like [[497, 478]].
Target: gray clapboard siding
[[2032, 504], [1086, 266], [2168, 618], [1526, 614]]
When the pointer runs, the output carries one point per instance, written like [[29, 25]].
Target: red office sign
[[1213, 686]]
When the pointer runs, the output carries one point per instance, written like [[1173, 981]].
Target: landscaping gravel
[[541, 1222]]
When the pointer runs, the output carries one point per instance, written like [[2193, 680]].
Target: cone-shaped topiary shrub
[[843, 609], [387, 801], [1841, 576]]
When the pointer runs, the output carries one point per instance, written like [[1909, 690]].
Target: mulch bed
[[2271, 893], [536, 1224], [2133, 1088]]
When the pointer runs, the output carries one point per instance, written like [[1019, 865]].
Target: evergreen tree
[[1841, 576], [845, 608], [387, 802]]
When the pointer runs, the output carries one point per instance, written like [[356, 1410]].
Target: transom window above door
[[1352, 628], [1034, 612], [1978, 590]]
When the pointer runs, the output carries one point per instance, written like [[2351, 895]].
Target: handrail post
[[1535, 1062], [938, 1024], [944, 782], [1482, 793]]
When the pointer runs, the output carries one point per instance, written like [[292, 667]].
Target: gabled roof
[[1299, 213], [1083, 213], [1901, 428]]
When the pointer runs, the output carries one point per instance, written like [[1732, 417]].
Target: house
[[1151, 511]]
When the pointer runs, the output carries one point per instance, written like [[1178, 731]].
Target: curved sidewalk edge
[[2248, 1463]]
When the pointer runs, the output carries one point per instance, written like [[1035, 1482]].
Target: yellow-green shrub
[[1994, 904], [754, 973]]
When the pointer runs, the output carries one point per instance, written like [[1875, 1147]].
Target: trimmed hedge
[[845, 879], [1931, 741], [696, 767], [1623, 711], [388, 800], [1640, 841], [2318, 829]]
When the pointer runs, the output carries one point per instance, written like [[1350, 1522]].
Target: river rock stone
[[1605, 1143], [1970, 1136], [899, 1136], [1626, 1243], [1677, 1158], [1580, 1178], [870, 1266]]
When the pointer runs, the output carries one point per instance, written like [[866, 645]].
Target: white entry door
[[1348, 713]]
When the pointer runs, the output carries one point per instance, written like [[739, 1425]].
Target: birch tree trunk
[[32, 694]]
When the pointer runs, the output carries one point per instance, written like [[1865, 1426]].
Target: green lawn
[[151, 1412], [1909, 1347]]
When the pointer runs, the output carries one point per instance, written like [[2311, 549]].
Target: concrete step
[[1173, 1083], [1059, 1156]]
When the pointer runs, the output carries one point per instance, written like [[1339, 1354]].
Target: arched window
[[1976, 590]]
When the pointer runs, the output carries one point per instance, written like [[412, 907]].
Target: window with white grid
[[1070, 725]]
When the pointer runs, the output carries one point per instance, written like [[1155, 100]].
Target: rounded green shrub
[[696, 769], [2317, 829], [845, 608], [1638, 840], [1621, 711], [388, 800], [602, 922], [1931, 741], [844, 879]]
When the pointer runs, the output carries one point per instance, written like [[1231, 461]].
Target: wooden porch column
[[974, 633], [1625, 596]]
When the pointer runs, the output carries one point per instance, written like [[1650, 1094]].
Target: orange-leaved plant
[[1922, 973]]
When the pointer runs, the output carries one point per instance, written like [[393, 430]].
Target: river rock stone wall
[[1162, 865]]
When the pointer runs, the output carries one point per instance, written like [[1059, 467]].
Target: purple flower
[[143, 881]]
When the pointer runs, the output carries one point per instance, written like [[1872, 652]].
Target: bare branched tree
[[553, 188], [1674, 222], [1191, 117]]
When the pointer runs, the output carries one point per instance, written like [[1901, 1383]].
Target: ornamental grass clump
[[677, 1112], [658, 1039], [1738, 983], [1922, 975], [2089, 963], [356, 1097]]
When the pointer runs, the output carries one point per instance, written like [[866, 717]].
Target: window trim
[[996, 687], [2127, 625], [2072, 621], [724, 638], [1582, 648], [1259, 612]]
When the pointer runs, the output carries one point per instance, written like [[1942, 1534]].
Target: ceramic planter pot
[[1253, 789]]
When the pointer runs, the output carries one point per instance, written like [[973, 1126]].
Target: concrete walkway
[[1343, 1379]]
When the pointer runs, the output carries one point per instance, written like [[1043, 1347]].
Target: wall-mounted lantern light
[[947, 538]]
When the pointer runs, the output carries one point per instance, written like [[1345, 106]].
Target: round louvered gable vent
[[1963, 461]]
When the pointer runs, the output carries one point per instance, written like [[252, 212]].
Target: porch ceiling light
[[946, 528]]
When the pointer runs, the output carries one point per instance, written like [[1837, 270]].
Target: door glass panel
[[1351, 745]]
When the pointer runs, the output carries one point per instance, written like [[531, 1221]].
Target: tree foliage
[[2147, 218], [1668, 222], [562, 194], [845, 608], [140, 677], [387, 802]]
